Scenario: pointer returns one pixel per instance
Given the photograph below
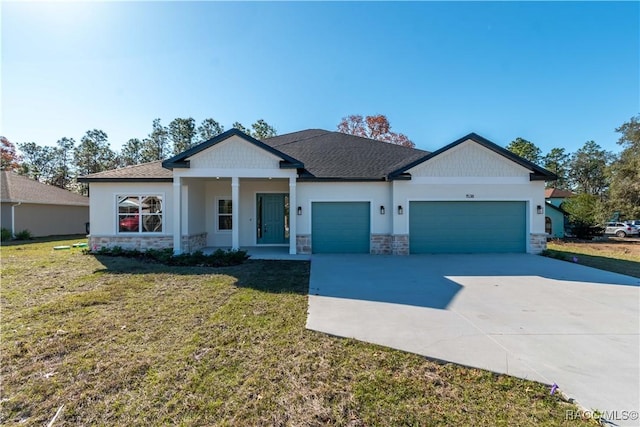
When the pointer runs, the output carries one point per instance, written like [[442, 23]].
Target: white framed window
[[224, 211], [140, 213]]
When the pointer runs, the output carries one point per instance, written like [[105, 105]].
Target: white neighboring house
[[317, 191]]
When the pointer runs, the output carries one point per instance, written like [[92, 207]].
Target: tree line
[[606, 185], [62, 164]]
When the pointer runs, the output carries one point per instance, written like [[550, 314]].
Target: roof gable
[[16, 188], [183, 160], [144, 172], [536, 172], [468, 159]]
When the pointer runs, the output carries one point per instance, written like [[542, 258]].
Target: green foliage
[[588, 168], [5, 234], [557, 161], [131, 153], [220, 258], [23, 235], [208, 129], [585, 212], [9, 158], [624, 172], [525, 149], [156, 145], [182, 134]]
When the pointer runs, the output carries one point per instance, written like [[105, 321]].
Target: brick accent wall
[[303, 244], [400, 244], [538, 242], [380, 244]]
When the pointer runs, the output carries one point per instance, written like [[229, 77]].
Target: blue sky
[[555, 73]]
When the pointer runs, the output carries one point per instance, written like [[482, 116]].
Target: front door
[[272, 218]]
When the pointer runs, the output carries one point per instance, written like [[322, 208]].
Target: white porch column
[[293, 219], [177, 215], [235, 213]]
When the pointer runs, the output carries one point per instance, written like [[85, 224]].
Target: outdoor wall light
[[299, 210], [381, 210], [540, 210], [400, 210]]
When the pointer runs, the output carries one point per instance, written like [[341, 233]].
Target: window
[[547, 225], [224, 211], [140, 214]]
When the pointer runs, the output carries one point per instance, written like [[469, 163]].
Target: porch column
[[177, 215], [235, 213], [293, 219]]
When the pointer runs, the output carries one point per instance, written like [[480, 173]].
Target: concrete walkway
[[523, 315]]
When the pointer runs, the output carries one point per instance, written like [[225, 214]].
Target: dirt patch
[[623, 247]]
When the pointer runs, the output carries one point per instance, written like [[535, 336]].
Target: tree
[[93, 154], [624, 172], [156, 145], [525, 149], [588, 169], [131, 153], [373, 127], [209, 129], [182, 134], [9, 157], [263, 130], [37, 161], [585, 211], [63, 163], [557, 161], [238, 125]]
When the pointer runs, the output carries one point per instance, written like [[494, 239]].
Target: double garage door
[[467, 227], [434, 227]]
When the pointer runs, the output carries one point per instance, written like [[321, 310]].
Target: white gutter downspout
[[13, 219]]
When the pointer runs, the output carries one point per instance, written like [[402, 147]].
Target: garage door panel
[[340, 227], [467, 227]]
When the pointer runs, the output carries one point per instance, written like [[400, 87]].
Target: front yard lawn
[[122, 342], [614, 254]]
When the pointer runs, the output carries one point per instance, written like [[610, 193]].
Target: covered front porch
[[235, 212]]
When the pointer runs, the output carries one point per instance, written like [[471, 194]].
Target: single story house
[[317, 191], [43, 210], [556, 219]]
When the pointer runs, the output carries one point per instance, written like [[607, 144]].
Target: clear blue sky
[[555, 73]]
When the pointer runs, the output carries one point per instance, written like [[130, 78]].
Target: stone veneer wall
[[139, 242], [194, 242], [142, 243], [538, 242], [380, 244], [303, 244], [400, 244]]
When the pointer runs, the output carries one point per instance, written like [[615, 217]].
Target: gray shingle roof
[[145, 172], [335, 155], [16, 188]]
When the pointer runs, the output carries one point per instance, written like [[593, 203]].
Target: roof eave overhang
[[338, 179], [125, 180]]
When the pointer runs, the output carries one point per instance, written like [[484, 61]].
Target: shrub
[[5, 234], [23, 235], [219, 258]]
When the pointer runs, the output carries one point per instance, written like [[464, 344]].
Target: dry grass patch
[[119, 342], [617, 255]]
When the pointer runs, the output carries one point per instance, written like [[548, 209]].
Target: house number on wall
[[470, 196]]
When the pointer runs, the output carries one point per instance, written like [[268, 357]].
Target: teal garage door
[[467, 227], [340, 227]]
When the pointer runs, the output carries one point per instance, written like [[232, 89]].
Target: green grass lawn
[[120, 342]]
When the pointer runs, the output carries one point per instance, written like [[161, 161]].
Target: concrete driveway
[[523, 315]]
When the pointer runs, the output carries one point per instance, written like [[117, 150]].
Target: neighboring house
[[42, 209], [317, 191], [556, 219]]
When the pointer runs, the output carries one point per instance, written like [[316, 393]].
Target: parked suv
[[634, 222], [620, 229]]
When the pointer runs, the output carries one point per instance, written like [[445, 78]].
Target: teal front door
[[272, 218]]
